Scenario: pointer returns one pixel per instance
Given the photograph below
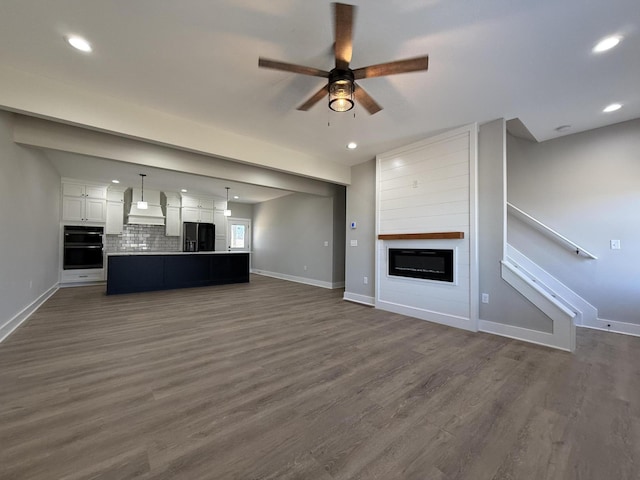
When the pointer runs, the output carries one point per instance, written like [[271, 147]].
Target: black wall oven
[[82, 247]]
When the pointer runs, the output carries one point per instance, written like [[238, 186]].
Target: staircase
[[562, 305]]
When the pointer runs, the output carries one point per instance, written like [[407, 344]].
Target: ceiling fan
[[341, 86]]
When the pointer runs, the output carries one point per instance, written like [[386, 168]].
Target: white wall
[[37, 132], [360, 259], [587, 187], [506, 306], [47, 98], [241, 210], [289, 234], [29, 236]]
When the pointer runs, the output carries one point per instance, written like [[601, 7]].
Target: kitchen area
[[141, 239]]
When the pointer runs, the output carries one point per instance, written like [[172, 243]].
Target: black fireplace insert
[[423, 263]]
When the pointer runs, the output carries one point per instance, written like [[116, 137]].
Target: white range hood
[[150, 216]]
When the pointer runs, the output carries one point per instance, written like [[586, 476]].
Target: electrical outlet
[[305, 268], [354, 243], [365, 280], [326, 243], [485, 298], [615, 244]]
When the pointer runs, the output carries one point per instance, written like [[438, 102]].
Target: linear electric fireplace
[[423, 263]]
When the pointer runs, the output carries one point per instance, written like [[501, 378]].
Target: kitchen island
[[129, 272]]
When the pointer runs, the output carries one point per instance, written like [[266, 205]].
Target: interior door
[[239, 234]]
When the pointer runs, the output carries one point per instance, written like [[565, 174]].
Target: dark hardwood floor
[[277, 380]]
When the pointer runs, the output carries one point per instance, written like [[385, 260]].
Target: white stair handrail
[[541, 226]]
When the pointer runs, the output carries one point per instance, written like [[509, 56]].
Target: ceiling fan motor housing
[[341, 87]]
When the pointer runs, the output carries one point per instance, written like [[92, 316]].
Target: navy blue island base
[[129, 273]]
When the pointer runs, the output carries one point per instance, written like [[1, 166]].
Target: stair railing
[[549, 232]]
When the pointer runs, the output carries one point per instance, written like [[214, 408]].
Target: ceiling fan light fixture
[[341, 88]]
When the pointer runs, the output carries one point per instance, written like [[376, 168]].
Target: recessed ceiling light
[[563, 128], [607, 44], [115, 181], [236, 197], [612, 108], [79, 43], [352, 145], [184, 190]]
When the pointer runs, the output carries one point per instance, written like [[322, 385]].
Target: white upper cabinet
[[197, 209], [83, 202], [171, 204], [115, 211], [83, 190]]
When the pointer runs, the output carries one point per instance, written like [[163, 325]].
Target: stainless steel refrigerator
[[198, 237]]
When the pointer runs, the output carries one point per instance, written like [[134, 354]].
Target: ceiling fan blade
[[343, 47], [392, 68], [315, 98], [290, 67], [366, 100]]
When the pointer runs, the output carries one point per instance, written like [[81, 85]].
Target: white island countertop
[[120, 254]]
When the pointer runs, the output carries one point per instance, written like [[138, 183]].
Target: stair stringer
[[563, 335]]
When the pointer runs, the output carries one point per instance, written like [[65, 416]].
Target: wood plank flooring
[[277, 380]]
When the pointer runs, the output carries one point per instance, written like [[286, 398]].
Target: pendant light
[[227, 212], [142, 205]]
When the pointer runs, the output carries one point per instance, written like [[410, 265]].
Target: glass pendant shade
[[341, 95]]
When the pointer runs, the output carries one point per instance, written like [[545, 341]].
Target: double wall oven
[[83, 247]]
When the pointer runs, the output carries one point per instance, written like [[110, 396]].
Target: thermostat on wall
[[353, 225]]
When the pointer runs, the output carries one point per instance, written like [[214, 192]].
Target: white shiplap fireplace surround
[[429, 187]]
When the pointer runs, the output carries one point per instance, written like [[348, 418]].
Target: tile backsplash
[[142, 238]]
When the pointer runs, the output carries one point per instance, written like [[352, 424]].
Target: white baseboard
[[293, 278], [428, 315], [524, 334], [357, 298], [10, 326], [614, 326]]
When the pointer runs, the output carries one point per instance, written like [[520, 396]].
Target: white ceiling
[[198, 59]]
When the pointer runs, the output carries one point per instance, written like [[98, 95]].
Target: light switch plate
[[354, 243], [615, 244]]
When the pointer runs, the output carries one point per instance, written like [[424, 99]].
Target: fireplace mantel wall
[[425, 198]]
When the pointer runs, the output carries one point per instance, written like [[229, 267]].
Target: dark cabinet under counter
[[129, 273]]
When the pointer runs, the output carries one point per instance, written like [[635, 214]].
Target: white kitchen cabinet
[[200, 215], [115, 211], [171, 204], [84, 202], [95, 210], [190, 214], [72, 189], [197, 209], [206, 215], [199, 201], [82, 276], [172, 222], [115, 216], [78, 209], [221, 230]]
